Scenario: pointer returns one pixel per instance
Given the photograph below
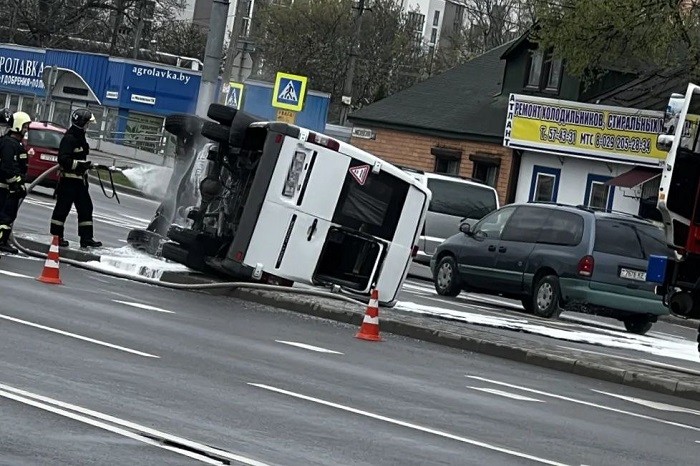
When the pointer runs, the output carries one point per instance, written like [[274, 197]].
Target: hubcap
[[444, 276], [545, 296]]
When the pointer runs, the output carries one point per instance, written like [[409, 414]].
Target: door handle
[[312, 230], [502, 249], [492, 248]]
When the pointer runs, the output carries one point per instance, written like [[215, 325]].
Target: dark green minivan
[[556, 257]]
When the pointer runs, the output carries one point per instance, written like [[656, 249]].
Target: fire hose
[[171, 285]]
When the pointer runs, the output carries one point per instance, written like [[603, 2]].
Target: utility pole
[[139, 29], [242, 8], [355, 49], [212, 56]]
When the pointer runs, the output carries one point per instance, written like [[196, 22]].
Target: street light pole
[[347, 86], [212, 56]]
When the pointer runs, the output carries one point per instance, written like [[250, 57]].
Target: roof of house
[[647, 92], [462, 103]]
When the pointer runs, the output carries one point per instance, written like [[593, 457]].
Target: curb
[[452, 334]]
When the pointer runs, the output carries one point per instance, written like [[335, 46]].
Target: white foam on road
[[678, 349], [127, 260]]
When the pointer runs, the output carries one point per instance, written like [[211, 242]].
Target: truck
[[273, 202], [678, 277]]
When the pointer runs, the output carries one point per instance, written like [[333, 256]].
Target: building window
[[598, 194], [446, 165], [535, 74], [649, 198], [436, 18], [544, 185], [433, 36], [485, 168], [553, 73], [416, 21], [545, 71]]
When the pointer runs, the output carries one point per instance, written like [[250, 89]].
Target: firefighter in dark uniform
[[14, 171], [72, 186]]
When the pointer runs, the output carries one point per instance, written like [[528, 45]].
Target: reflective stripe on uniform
[[4, 186], [23, 156], [5, 227], [75, 164], [14, 179], [85, 224], [56, 222], [72, 175]]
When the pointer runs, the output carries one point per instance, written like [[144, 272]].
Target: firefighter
[[14, 172], [72, 186]]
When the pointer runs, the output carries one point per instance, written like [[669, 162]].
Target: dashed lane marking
[[318, 349]]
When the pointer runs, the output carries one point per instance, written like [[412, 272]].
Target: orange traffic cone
[[369, 330], [50, 272]]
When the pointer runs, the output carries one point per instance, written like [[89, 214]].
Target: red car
[[44, 139]]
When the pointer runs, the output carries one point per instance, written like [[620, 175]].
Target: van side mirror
[[664, 142], [465, 228]]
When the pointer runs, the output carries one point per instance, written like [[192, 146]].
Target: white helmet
[[18, 120]]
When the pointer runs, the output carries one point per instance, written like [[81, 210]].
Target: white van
[[283, 201], [454, 200]]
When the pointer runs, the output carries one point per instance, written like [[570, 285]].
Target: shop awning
[[634, 177]]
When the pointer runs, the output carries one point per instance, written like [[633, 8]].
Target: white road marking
[[408, 425], [13, 274], [506, 394], [318, 349], [624, 358], [107, 427], [134, 426], [651, 404], [585, 403], [143, 306], [79, 337]]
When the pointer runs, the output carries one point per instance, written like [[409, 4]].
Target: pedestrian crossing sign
[[235, 94], [289, 92]]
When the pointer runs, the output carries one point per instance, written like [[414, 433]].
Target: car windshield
[[629, 239], [44, 138]]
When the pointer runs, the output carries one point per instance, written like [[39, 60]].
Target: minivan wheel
[[447, 281], [545, 299], [637, 325]]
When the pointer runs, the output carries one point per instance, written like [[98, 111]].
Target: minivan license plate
[[49, 158], [633, 274]]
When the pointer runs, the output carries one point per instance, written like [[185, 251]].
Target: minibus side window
[[373, 208]]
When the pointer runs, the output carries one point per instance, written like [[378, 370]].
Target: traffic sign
[[235, 95], [289, 91], [360, 173]]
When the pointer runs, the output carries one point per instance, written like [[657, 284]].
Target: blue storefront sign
[[21, 70]]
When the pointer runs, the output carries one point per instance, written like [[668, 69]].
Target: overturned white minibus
[[280, 203]]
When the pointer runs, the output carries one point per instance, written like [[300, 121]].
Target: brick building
[[452, 123]]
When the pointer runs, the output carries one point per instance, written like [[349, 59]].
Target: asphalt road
[[113, 222], [102, 370]]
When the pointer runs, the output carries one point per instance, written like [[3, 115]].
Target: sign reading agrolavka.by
[[584, 130], [152, 71], [21, 72]]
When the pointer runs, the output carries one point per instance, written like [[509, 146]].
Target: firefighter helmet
[[18, 120], [81, 117]]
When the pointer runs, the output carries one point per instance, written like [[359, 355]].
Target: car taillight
[[290, 185], [693, 244], [323, 140], [585, 266]]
